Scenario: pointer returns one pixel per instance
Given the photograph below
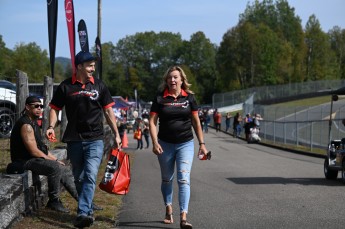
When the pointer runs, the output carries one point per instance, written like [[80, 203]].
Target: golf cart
[[335, 159]]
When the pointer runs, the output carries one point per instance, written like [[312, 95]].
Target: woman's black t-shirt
[[175, 116]]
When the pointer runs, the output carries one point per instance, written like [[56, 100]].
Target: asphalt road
[[242, 186]]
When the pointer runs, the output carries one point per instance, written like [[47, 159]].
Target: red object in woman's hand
[[203, 156]]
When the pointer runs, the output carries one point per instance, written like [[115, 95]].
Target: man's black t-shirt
[[84, 104], [175, 115]]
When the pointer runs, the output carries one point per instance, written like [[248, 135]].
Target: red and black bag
[[117, 175]]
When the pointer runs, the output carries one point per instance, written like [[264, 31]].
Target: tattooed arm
[[28, 136]]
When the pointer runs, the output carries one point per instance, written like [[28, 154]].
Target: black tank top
[[18, 149]]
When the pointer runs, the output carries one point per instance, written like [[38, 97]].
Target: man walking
[[85, 99]]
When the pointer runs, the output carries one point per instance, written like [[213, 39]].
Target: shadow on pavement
[[282, 180]]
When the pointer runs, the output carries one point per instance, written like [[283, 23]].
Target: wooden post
[[22, 92], [99, 19], [47, 96]]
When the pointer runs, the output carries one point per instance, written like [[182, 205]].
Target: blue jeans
[[206, 127], [238, 129], [182, 154], [85, 158]]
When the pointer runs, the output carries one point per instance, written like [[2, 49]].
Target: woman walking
[[177, 111]]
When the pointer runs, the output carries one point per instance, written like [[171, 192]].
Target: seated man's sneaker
[[56, 205], [83, 221]]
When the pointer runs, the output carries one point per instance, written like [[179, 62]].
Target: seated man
[[28, 150]]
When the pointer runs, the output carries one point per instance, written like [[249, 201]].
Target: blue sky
[[26, 20]]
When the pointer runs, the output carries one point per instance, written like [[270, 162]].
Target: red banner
[[69, 10]]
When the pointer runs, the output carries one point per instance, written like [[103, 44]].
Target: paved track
[[243, 186]]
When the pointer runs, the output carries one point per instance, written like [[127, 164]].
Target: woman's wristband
[[50, 127], [201, 143]]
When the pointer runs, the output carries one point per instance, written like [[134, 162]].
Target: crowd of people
[[238, 122], [247, 122], [140, 124]]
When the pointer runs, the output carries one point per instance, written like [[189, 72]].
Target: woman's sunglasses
[[37, 105]]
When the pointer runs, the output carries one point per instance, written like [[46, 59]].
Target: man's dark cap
[[32, 99], [83, 57]]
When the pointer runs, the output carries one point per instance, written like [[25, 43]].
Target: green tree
[[265, 48], [280, 18], [252, 54], [267, 56], [67, 73], [292, 36], [5, 61], [337, 40], [32, 60], [107, 63], [59, 73], [228, 62], [199, 54], [319, 58], [144, 57], [248, 45]]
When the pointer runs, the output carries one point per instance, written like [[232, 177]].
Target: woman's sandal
[[185, 225], [168, 218]]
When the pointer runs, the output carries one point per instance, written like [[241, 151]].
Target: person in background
[[145, 115], [237, 125], [207, 120], [256, 120], [135, 116], [202, 118], [29, 151], [227, 121], [247, 125], [140, 127], [218, 121], [86, 99], [121, 127], [146, 133], [176, 109], [214, 116]]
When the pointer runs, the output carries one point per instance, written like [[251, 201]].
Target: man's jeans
[[182, 154], [85, 159], [55, 173]]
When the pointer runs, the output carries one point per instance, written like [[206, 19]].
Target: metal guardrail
[[274, 92], [312, 135]]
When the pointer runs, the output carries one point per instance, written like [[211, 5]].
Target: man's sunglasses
[[37, 105]]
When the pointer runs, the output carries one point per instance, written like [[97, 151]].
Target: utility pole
[[99, 19], [98, 39]]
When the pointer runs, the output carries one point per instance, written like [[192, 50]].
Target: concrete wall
[[21, 194]]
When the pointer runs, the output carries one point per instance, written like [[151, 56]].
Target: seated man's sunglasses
[[37, 105]]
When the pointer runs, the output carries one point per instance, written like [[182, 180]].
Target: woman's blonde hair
[[185, 85]]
